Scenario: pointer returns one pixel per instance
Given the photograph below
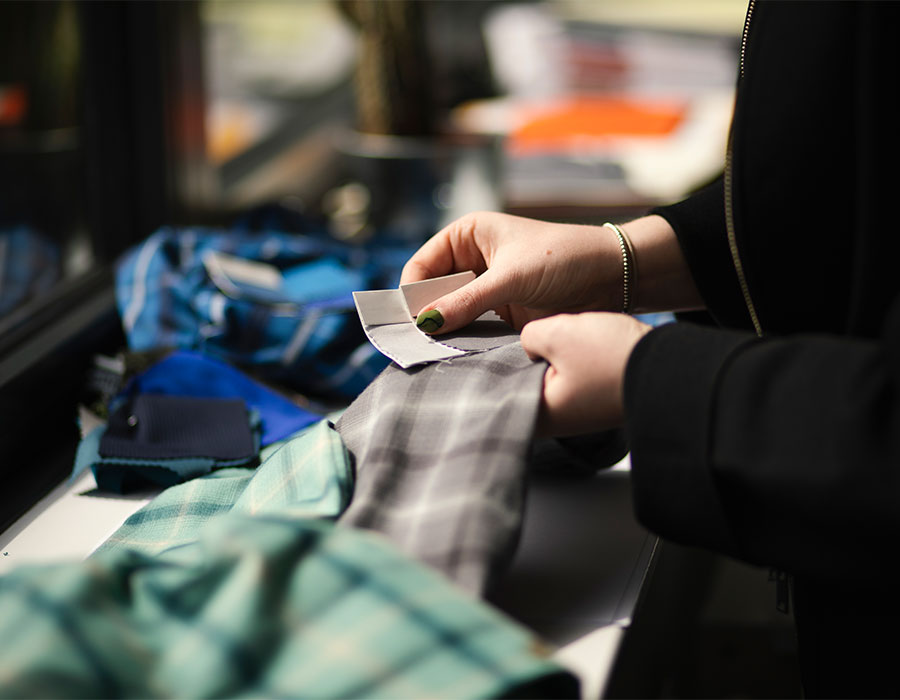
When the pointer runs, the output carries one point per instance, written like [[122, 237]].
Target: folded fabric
[[308, 475], [276, 302], [186, 373], [234, 585], [387, 316], [261, 606], [440, 453], [153, 440]]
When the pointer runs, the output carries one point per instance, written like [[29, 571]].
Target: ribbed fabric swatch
[[151, 426]]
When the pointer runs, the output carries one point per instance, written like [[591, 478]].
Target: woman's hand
[[529, 269], [584, 385], [526, 269]]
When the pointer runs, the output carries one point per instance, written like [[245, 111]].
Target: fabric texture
[[440, 453], [262, 606], [308, 475], [300, 331], [484, 333], [234, 584], [152, 426], [153, 440], [186, 373]]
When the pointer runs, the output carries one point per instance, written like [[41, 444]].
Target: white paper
[[388, 318], [417, 295]]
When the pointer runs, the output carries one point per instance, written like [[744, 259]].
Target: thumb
[[457, 309], [538, 337]]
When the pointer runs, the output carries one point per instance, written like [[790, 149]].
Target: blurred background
[[116, 118], [375, 120]]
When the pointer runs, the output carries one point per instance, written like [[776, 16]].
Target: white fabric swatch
[[388, 319]]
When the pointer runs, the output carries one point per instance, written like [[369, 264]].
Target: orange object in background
[[229, 130], [568, 122], [13, 105]]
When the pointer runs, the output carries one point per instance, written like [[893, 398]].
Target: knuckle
[[477, 224], [469, 224]]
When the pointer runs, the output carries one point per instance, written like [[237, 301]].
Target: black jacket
[[785, 450]]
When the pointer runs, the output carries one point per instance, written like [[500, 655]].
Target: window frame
[[142, 140]]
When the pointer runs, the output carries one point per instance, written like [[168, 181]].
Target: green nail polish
[[429, 321]]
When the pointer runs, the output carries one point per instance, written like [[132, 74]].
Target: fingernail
[[429, 321]]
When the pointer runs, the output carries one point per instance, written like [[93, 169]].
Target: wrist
[[629, 266], [665, 282]]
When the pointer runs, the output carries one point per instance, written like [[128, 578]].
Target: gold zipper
[[729, 208], [744, 34]]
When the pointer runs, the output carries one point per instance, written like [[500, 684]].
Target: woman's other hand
[[584, 384]]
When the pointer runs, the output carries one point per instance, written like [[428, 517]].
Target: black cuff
[[670, 390]]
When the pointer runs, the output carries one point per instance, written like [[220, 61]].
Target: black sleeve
[[781, 452], [699, 224]]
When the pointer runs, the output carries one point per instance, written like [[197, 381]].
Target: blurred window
[[42, 204]]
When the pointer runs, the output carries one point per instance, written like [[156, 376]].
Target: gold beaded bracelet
[[629, 266]]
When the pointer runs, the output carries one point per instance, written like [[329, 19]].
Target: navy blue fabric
[[186, 373], [174, 427]]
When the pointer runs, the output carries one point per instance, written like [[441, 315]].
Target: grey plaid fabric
[[482, 334], [440, 453]]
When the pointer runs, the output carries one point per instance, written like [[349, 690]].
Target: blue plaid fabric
[[304, 335]]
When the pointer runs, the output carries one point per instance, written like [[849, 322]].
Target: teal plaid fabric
[[261, 606], [307, 476], [235, 584]]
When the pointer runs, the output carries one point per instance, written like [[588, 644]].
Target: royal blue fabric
[[186, 373]]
